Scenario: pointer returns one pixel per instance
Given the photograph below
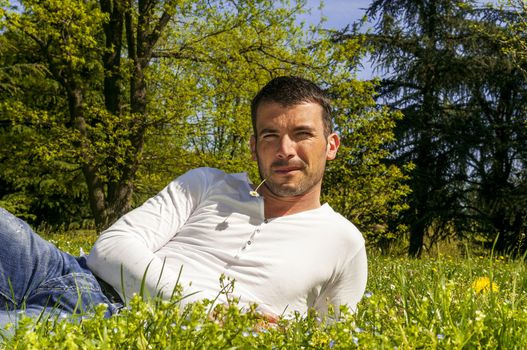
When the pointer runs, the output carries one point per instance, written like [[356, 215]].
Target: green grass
[[409, 304]]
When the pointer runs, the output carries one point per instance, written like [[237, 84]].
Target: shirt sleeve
[[124, 255], [347, 287]]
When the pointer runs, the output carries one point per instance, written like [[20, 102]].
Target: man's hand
[[269, 317], [267, 320]]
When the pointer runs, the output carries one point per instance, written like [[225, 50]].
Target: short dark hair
[[289, 91]]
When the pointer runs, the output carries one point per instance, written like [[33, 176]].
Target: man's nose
[[286, 148]]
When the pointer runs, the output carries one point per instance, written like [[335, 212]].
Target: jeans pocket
[[75, 292], [6, 301]]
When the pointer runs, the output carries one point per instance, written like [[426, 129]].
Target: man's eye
[[268, 136], [304, 134]]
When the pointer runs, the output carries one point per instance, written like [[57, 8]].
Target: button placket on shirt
[[251, 240]]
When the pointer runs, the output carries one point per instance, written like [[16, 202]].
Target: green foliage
[[498, 188], [473, 302], [361, 184], [38, 163], [115, 114], [513, 39], [178, 95], [37, 184], [463, 127]]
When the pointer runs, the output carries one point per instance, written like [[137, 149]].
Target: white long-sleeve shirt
[[205, 223]]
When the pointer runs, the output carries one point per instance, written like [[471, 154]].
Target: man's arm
[[124, 255], [348, 287]]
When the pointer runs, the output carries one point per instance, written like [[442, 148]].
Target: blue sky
[[339, 13]]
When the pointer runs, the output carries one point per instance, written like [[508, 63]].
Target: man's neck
[[276, 206]]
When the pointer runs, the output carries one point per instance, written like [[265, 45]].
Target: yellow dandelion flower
[[483, 285]]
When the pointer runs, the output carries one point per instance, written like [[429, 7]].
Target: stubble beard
[[307, 182]]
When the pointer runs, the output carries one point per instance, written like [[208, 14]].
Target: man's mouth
[[286, 170], [282, 167]]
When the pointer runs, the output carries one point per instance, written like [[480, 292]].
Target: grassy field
[[447, 303]]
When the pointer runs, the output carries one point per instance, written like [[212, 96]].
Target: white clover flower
[[255, 193], [480, 316]]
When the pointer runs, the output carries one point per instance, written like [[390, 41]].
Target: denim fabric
[[39, 280]]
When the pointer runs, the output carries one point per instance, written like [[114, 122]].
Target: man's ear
[[332, 146], [252, 144]]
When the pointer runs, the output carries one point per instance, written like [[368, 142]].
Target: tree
[[498, 155], [361, 183], [134, 94], [103, 57], [29, 186], [417, 44], [512, 39], [462, 106]]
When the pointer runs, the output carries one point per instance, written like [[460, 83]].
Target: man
[[285, 251]]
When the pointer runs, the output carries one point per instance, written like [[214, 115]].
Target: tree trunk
[[113, 31], [140, 39], [96, 194], [417, 231]]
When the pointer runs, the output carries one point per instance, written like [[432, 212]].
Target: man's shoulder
[[205, 178], [336, 217], [342, 226], [204, 171], [203, 175], [210, 172]]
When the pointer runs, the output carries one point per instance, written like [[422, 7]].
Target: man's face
[[291, 148]]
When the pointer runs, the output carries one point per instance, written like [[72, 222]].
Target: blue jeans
[[39, 280]]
